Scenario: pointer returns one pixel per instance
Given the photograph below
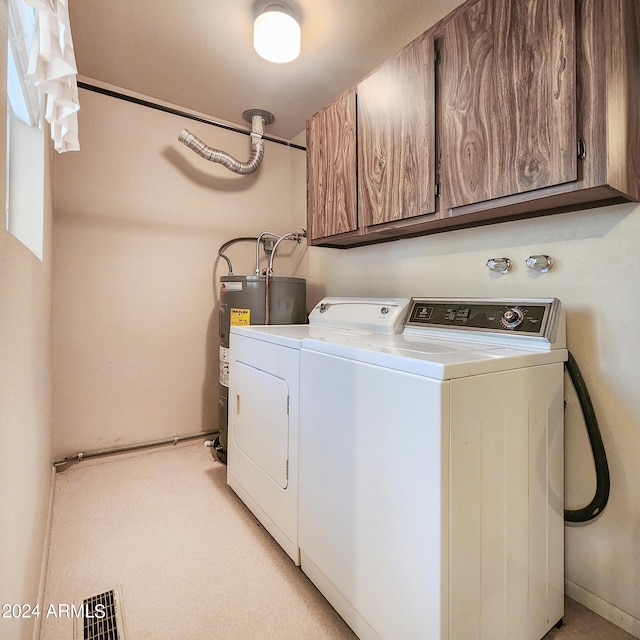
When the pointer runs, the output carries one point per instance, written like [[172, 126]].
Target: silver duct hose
[[258, 120]]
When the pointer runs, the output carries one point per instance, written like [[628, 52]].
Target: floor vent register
[[101, 617]]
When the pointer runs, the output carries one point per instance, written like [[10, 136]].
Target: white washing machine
[[262, 456], [431, 472]]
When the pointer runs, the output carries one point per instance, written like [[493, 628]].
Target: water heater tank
[[242, 302]]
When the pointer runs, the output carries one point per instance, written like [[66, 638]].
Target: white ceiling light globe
[[276, 35]]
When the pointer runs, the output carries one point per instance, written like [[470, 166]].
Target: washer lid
[[441, 359]]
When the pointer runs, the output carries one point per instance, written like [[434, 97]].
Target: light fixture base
[[266, 116]]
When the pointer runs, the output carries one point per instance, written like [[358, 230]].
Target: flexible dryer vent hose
[[225, 159]]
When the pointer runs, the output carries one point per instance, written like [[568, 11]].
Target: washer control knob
[[512, 318]]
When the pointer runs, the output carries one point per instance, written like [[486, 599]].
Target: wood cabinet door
[[331, 169], [507, 99], [396, 137]]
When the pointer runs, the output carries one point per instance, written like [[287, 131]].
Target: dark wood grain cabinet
[[503, 109], [507, 98], [388, 182], [552, 115], [331, 169], [396, 137]]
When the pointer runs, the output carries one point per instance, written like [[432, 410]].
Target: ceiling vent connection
[[258, 119]]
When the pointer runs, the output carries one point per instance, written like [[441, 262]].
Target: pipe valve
[[542, 264], [499, 265]]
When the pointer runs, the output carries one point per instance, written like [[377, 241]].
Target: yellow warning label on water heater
[[240, 317]]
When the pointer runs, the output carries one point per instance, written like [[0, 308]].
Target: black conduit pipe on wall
[[177, 112], [597, 505]]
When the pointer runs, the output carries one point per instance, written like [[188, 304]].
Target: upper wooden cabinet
[[535, 106], [331, 169], [507, 98], [396, 137], [547, 117], [390, 180]]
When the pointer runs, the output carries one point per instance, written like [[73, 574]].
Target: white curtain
[[52, 69]]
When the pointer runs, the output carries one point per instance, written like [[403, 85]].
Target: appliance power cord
[[601, 496]]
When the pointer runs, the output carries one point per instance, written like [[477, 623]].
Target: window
[[25, 137], [24, 99]]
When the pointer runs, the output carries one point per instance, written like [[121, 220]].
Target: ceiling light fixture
[[276, 34]]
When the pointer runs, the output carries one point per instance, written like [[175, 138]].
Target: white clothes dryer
[[431, 472], [262, 457]]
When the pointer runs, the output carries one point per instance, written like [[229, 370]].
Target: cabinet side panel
[[331, 169], [591, 92], [623, 95], [396, 137], [507, 83]]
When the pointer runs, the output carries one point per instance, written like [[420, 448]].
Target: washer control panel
[[535, 318]]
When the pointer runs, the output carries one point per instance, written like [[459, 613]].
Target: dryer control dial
[[512, 318]]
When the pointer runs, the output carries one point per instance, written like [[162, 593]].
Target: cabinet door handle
[[582, 149], [238, 404]]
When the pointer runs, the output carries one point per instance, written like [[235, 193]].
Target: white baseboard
[[603, 608], [45, 554]]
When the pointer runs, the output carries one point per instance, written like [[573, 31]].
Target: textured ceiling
[[198, 54]]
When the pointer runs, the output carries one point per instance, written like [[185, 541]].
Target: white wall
[[138, 222], [597, 278], [25, 400]]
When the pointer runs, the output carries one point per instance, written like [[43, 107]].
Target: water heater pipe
[[260, 239], [269, 272], [294, 235], [227, 244], [258, 119]]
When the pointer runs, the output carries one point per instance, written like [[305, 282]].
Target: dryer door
[[260, 404]]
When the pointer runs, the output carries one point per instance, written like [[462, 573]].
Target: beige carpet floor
[[191, 560]]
